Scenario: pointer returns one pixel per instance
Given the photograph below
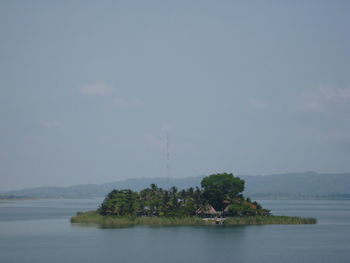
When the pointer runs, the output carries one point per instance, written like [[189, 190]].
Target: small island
[[219, 201]]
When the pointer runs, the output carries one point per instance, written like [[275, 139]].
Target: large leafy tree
[[120, 202], [219, 188]]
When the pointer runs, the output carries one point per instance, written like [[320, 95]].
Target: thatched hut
[[206, 211]]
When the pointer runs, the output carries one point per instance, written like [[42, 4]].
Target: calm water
[[39, 231]]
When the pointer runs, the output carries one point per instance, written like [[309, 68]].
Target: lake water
[[40, 231]]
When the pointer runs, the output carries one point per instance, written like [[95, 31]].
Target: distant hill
[[290, 185], [98, 190], [298, 185]]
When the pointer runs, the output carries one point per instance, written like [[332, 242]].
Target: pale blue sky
[[89, 89]]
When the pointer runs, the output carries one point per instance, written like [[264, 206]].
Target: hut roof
[[208, 209]]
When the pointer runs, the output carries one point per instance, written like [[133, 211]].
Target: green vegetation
[[220, 195], [218, 188], [93, 217], [219, 201], [263, 220], [152, 201]]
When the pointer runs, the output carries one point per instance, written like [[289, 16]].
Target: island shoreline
[[94, 218]]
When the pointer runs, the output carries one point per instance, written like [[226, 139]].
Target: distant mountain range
[[308, 185]]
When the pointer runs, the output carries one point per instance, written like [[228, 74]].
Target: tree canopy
[[219, 188], [221, 191]]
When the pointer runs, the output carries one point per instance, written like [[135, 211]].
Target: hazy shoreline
[[271, 187]]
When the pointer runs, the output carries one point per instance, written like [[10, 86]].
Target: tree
[[120, 202], [221, 187]]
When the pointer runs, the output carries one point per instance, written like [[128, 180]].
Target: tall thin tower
[[168, 159]]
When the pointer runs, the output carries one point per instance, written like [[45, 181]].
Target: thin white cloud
[[321, 135], [97, 88], [126, 103], [155, 141], [258, 104], [325, 98], [51, 124], [159, 139], [338, 135]]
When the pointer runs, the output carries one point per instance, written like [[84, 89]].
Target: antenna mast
[[167, 158]]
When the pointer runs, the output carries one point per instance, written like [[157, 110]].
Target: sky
[[89, 89]]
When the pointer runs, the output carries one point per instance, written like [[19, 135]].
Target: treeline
[[152, 201], [220, 195]]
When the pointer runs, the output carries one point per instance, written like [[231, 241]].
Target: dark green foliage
[[156, 206], [121, 202], [245, 208], [222, 191], [219, 188], [152, 201]]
